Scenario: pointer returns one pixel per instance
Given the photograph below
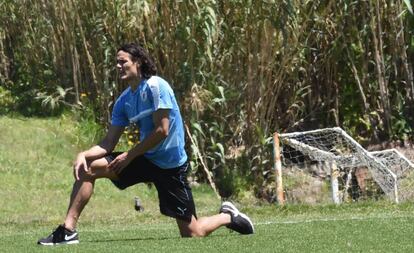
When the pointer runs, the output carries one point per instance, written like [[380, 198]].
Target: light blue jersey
[[139, 105]]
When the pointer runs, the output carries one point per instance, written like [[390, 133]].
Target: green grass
[[36, 178]]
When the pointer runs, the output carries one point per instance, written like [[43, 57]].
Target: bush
[[7, 101]]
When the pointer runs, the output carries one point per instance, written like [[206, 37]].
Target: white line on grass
[[330, 220]]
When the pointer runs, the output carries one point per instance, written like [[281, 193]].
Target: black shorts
[[174, 193]]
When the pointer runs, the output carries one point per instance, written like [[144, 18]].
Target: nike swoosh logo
[[70, 237]]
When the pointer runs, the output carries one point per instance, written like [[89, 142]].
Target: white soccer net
[[336, 152]]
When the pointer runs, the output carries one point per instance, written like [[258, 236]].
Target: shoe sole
[[59, 243], [234, 209]]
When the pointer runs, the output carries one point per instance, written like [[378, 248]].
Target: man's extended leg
[[202, 226], [228, 216]]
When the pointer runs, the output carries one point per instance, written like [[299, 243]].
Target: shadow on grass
[[130, 239], [151, 238]]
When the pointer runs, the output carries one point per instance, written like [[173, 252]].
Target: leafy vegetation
[[241, 69]]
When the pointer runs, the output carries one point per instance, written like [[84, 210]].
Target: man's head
[[134, 62]]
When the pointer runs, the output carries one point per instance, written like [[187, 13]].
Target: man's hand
[[119, 163], [79, 163]]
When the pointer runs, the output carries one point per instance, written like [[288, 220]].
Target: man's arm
[[105, 147], [107, 144], [160, 132]]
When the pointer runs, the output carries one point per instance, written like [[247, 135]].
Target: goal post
[[391, 171], [278, 169]]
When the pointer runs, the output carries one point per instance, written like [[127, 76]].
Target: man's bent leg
[[83, 189], [203, 226], [81, 193]]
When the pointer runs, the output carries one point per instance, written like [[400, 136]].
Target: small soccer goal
[[333, 156]]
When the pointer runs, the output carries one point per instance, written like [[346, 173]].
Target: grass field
[[36, 178]]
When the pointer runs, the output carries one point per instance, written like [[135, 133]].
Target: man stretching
[[160, 158]]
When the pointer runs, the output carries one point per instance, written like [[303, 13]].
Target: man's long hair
[[148, 67]]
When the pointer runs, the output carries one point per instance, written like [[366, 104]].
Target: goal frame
[[285, 138]]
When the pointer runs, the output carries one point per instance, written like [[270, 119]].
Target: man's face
[[127, 68]]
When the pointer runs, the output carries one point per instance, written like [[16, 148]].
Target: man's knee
[[191, 229], [195, 232], [86, 175], [96, 169]]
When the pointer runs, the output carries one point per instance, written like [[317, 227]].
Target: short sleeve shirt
[[138, 106]]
